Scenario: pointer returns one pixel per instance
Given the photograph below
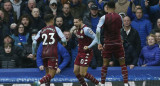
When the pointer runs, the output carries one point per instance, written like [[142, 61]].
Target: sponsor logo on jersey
[[82, 61]]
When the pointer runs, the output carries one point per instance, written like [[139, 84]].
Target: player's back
[[50, 40], [112, 26]]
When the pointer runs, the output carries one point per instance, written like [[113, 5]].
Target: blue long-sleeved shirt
[[150, 55], [144, 27], [154, 9], [63, 56]]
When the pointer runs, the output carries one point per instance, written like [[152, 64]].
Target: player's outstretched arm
[[98, 39], [61, 35], [63, 54], [88, 32], [39, 56], [34, 43], [98, 30]]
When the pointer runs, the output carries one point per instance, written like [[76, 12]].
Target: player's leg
[[104, 70], [77, 74], [45, 63], [119, 53], [83, 73], [106, 54], [52, 66], [124, 70], [47, 72]]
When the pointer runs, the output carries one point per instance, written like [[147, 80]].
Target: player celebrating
[[49, 35], [112, 24], [85, 54]]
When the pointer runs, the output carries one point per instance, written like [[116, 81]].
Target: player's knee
[[83, 74], [122, 61], [76, 72], [105, 62]]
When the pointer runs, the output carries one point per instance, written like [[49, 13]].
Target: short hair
[[6, 45], [66, 30], [66, 4], [5, 1], [140, 9], [48, 17], [33, 0], [111, 4], [79, 17], [59, 16], [128, 17], [138, 5]]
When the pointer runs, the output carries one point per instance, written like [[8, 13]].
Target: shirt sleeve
[[64, 55], [39, 55], [37, 36], [154, 9], [88, 32], [60, 34], [98, 30], [34, 43]]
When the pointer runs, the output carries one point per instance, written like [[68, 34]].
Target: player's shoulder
[[57, 28], [88, 30], [85, 28]]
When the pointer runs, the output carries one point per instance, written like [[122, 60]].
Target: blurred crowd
[[20, 20]]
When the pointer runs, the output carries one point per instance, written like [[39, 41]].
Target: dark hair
[[157, 31], [58, 16], [66, 4], [48, 17], [78, 17], [5, 1], [105, 4], [16, 31], [66, 30], [25, 16], [111, 4], [158, 18]]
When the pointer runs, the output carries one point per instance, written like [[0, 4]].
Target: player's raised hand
[[146, 3], [73, 29], [85, 47], [100, 47], [41, 67]]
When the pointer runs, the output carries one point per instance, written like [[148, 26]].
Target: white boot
[[125, 84], [131, 83]]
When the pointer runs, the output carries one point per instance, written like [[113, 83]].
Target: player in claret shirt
[[85, 36], [112, 24], [49, 35]]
